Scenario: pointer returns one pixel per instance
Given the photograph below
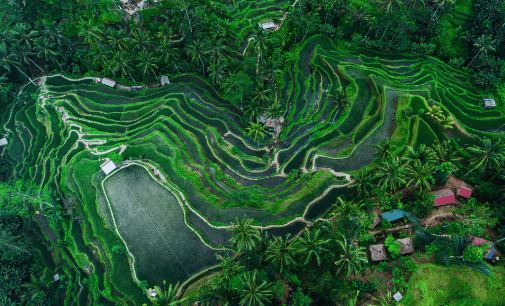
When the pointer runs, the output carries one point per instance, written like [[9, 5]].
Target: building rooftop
[[108, 82], [398, 296], [465, 192], [489, 103], [378, 252], [393, 215], [406, 245], [164, 80], [108, 166], [3, 142], [444, 197], [267, 25]]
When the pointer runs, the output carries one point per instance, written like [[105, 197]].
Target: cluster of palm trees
[[259, 261]]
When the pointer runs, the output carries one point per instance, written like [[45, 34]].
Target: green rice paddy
[[197, 141]]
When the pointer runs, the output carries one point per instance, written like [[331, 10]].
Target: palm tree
[[484, 44], [91, 33], [311, 246], [229, 266], [244, 236], [216, 72], [384, 150], [280, 252], [363, 181], [215, 50], [391, 174], [166, 296], [147, 63], [256, 130], [196, 52], [422, 153], [445, 151], [351, 257], [489, 155], [253, 292], [262, 96], [9, 61], [116, 39], [420, 175]]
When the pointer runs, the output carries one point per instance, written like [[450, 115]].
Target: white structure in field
[[489, 103], [56, 277], [164, 80], [398, 296], [108, 166], [3, 142], [267, 25], [108, 82]]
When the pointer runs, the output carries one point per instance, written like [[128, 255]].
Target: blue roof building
[[393, 215]]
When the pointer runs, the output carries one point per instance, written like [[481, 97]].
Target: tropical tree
[[351, 257], [391, 174], [244, 236], [489, 155], [484, 44], [166, 296], [280, 252], [147, 63], [90, 32], [252, 291], [363, 181], [384, 150], [311, 246], [420, 175], [196, 51], [256, 130]]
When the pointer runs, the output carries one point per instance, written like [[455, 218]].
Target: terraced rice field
[[196, 140]]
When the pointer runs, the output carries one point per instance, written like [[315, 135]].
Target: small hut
[[3, 142], [267, 25], [398, 296], [406, 246], [108, 166], [489, 103], [56, 277], [393, 215], [464, 191], [378, 252], [444, 197], [108, 82]]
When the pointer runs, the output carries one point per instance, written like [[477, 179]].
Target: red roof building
[[444, 197], [465, 192], [490, 251]]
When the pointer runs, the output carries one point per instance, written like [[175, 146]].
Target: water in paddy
[[151, 222]]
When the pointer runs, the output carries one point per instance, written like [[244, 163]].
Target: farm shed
[[393, 215], [465, 192], [406, 246], [444, 197], [378, 252], [108, 82], [3, 142], [489, 103], [267, 25], [398, 296], [108, 166]]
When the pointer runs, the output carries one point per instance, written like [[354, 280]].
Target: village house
[[490, 251], [378, 252], [444, 197], [108, 82], [489, 103], [406, 246], [267, 25], [108, 166], [393, 215], [164, 80]]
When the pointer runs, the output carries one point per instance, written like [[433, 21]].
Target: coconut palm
[[244, 236], [216, 71], [166, 296], [420, 175], [196, 51], [363, 181], [147, 63], [229, 266], [445, 151], [484, 44], [391, 174], [90, 33], [384, 150], [116, 39], [489, 155], [256, 130], [252, 291], [280, 252], [311, 246], [351, 257], [422, 153]]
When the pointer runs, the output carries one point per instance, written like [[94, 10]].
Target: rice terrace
[[314, 161]]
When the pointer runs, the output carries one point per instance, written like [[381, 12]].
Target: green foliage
[[300, 299], [115, 157], [247, 197], [392, 246], [473, 254]]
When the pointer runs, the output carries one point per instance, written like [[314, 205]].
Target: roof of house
[[267, 25], [478, 241], [393, 215], [489, 102], [491, 251], [378, 252], [406, 245], [444, 197], [398, 296], [108, 166], [108, 82], [3, 142], [465, 192], [56, 277]]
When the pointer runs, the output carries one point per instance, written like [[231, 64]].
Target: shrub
[[115, 157], [300, 299], [393, 246], [473, 253]]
